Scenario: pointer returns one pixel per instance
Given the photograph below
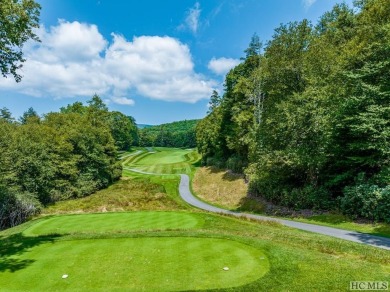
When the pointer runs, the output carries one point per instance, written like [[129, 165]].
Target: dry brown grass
[[124, 195], [220, 187]]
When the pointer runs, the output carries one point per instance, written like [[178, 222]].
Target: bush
[[367, 201], [212, 161], [16, 208], [236, 164], [307, 197]]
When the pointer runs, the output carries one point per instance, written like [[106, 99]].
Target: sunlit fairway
[[163, 160], [114, 222], [166, 245]]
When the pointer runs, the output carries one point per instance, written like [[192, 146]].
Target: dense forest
[[66, 154], [307, 116], [177, 134]]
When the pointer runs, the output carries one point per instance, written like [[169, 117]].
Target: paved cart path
[[187, 196], [377, 241]]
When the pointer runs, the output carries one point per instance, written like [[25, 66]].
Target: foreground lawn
[[224, 189], [260, 257], [150, 264]]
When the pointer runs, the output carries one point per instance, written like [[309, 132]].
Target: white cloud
[[122, 100], [222, 66], [192, 19], [74, 59], [308, 3]]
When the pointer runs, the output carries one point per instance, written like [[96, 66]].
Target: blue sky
[[157, 61]]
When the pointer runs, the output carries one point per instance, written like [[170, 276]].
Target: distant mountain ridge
[[143, 126]]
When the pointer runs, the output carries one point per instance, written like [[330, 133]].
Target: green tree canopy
[[308, 119], [18, 18]]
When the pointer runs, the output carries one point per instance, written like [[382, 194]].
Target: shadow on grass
[[382, 231], [372, 239], [227, 174], [247, 204], [332, 219], [17, 244], [231, 176], [197, 164]]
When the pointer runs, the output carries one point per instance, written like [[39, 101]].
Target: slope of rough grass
[[125, 195], [220, 187], [114, 222]]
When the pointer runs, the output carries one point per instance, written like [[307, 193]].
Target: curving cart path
[[187, 196], [377, 241]]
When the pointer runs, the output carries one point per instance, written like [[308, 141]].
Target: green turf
[[164, 161], [149, 264], [165, 157], [299, 261], [114, 222]]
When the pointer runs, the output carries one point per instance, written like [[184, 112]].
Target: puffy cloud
[[74, 41], [222, 66], [74, 59], [148, 58], [122, 100]]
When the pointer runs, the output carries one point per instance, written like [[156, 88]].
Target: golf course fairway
[[149, 264], [163, 160], [114, 222]]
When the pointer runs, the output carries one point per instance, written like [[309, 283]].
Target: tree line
[[307, 115], [61, 155], [179, 134]]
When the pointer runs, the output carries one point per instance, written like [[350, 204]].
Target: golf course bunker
[[115, 222], [148, 264]]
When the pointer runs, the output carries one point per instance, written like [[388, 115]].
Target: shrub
[[16, 208], [367, 201], [212, 161], [307, 197], [235, 164]]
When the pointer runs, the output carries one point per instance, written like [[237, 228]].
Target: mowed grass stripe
[[115, 222], [135, 159], [165, 161], [149, 264], [166, 157]]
